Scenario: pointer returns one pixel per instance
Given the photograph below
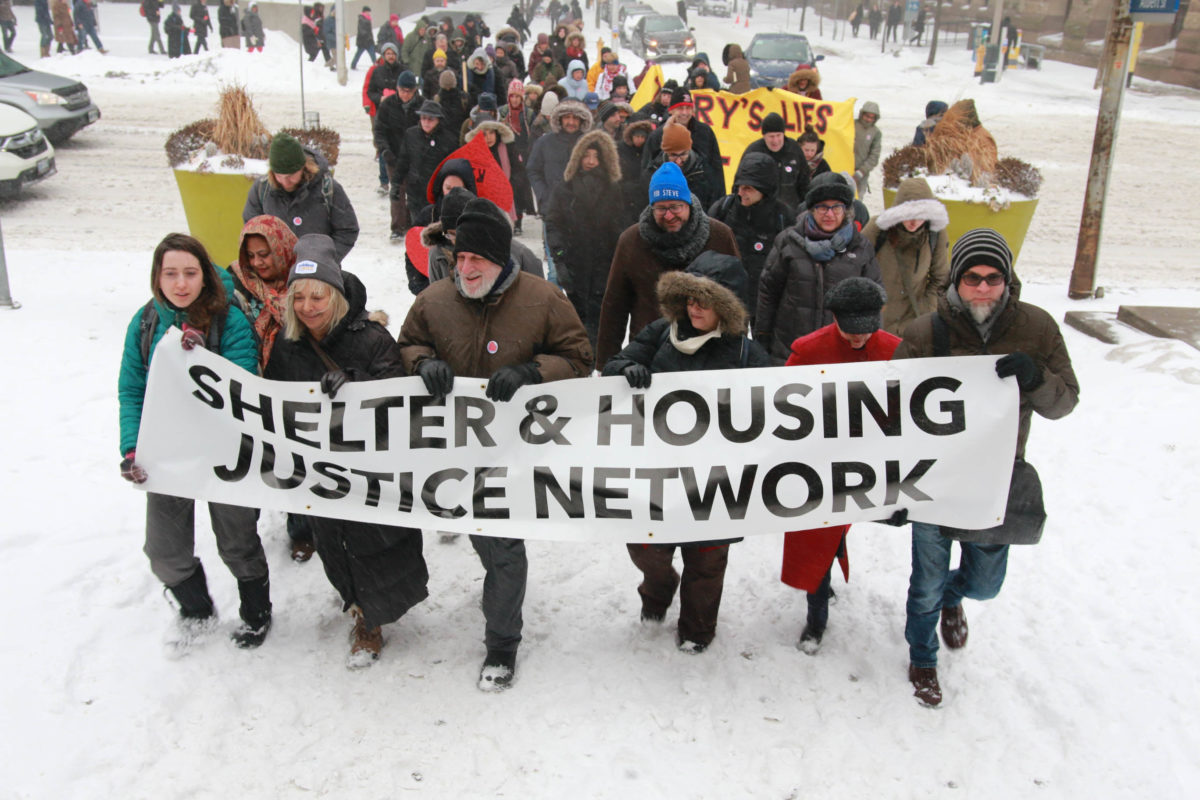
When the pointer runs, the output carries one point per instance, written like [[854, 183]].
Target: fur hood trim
[[505, 132], [433, 236], [605, 147], [814, 79], [575, 107], [931, 210], [674, 288], [632, 127]]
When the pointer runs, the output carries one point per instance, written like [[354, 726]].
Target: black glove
[[191, 337], [130, 471], [438, 377], [506, 380], [637, 375], [1029, 377], [332, 381], [898, 519]]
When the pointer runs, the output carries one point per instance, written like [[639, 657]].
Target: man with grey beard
[[515, 329], [979, 315]]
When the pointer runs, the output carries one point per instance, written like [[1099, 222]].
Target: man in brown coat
[[668, 235], [494, 321], [980, 315], [737, 75]]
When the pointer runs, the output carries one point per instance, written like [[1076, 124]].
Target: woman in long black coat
[[703, 327], [377, 569], [585, 217]]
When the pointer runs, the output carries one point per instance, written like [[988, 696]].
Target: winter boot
[[45, 51], [197, 617], [302, 551], [925, 685], [255, 612], [954, 626], [366, 644], [498, 671], [810, 640]]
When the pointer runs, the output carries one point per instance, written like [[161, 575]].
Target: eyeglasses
[[829, 208], [696, 301], [991, 279], [674, 209], [679, 158]]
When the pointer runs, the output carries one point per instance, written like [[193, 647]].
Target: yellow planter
[[213, 204], [1012, 223]]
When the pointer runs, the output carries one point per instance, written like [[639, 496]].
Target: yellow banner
[[736, 119]]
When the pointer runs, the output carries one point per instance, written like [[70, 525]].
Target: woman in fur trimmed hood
[[804, 82], [913, 251], [703, 327], [498, 137], [583, 222]]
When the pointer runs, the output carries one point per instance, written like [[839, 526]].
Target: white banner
[[699, 456]]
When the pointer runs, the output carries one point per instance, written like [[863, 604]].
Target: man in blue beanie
[[670, 232]]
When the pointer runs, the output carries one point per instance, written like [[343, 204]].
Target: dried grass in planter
[[960, 133], [187, 140], [239, 131], [902, 163], [1017, 176], [325, 141]]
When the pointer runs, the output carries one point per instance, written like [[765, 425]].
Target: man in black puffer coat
[[395, 114], [789, 159], [755, 216]]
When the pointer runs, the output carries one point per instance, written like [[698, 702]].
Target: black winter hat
[[680, 97], [483, 229], [855, 303], [452, 207], [487, 102], [828, 186], [431, 108], [773, 123], [406, 80], [980, 247], [757, 170]]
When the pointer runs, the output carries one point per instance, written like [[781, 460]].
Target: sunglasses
[[991, 279]]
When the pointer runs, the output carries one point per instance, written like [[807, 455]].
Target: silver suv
[[60, 105]]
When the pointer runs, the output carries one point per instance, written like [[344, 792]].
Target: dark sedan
[[775, 56]]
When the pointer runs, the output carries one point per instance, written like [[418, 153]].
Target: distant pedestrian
[[152, 11]]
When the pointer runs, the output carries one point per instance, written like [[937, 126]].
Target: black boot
[[193, 597], [498, 670], [255, 612]]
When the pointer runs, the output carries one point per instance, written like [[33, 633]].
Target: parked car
[[25, 154], [775, 56], [60, 105], [630, 15], [660, 36], [716, 8]]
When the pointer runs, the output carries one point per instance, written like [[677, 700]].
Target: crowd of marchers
[[647, 265]]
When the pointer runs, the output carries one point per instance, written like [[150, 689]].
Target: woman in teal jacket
[[190, 293]]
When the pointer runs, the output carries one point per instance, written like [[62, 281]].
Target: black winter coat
[[363, 37], [755, 229], [306, 210], [793, 170], [383, 77], [393, 117], [227, 21], [378, 567], [420, 156], [582, 229]]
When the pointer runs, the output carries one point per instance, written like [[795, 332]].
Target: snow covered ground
[[1079, 680]]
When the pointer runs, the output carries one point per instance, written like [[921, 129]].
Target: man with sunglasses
[[808, 259], [980, 315], [669, 234]]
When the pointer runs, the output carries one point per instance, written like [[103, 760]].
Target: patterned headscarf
[[267, 300]]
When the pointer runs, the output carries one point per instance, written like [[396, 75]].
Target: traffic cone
[[737, 20], [747, 23]]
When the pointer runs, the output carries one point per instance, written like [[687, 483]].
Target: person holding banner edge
[[191, 293], [979, 315], [328, 337], [703, 327], [515, 329]]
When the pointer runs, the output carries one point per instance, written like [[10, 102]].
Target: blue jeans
[[933, 585], [358, 54]]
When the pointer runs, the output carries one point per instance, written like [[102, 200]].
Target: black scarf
[[676, 249]]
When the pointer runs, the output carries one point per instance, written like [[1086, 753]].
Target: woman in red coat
[[854, 336]]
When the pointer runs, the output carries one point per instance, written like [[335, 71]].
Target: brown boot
[[366, 644], [925, 685], [954, 626], [302, 551], [45, 51]]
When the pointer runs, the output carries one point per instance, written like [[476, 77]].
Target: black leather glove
[[898, 519], [130, 471], [506, 380], [333, 380], [438, 377], [637, 375], [1029, 377], [191, 337]]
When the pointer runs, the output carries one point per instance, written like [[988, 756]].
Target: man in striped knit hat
[[979, 315]]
